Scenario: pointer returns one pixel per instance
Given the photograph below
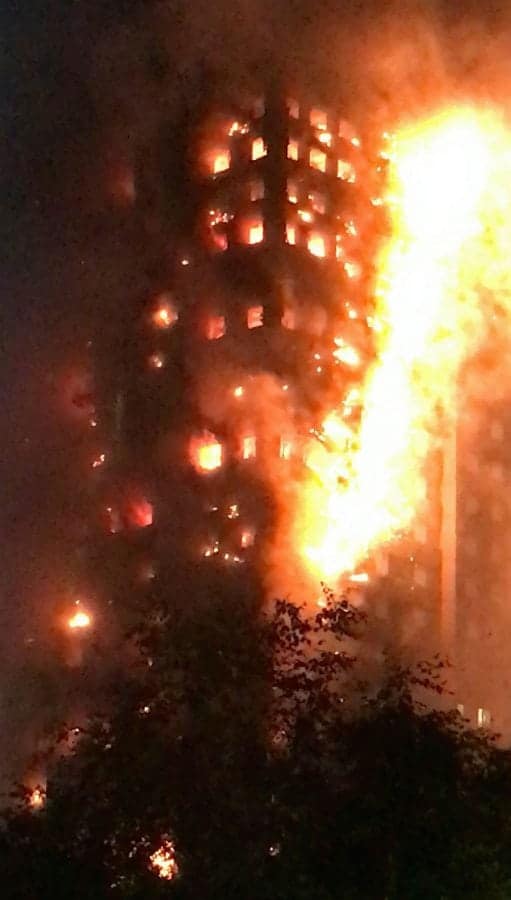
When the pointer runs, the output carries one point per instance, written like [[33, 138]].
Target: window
[[255, 233], [291, 234], [257, 190], [292, 149], [286, 448], [215, 328], [317, 159], [248, 447], [345, 171], [164, 313], [258, 148], [318, 202], [247, 538], [156, 361], [255, 316], [289, 318], [318, 119], [316, 244], [292, 191], [483, 718], [219, 160], [220, 241], [293, 109], [206, 452]]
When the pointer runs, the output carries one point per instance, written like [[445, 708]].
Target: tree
[[253, 760]]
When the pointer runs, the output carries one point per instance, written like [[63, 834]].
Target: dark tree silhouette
[[257, 752]]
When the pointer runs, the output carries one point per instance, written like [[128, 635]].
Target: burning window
[[317, 159], [206, 452], [305, 215], [249, 447], [352, 269], [247, 538], [220, 241], [293, 149], [215, 328], [139, 512], [345, 171], [164, 313], [258, 148], [316, 244], [293, 108], [292, 191], [318, 119], [255, 316], [318, 202], [347, 133], [291, 234], [156, 361], [339, 248], [218, 160], [483, 718], [286, 448], [288, 319], [259, 107], [252, 230], [325, 138], [257, 189]]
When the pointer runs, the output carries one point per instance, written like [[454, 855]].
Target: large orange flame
[[449, 200]]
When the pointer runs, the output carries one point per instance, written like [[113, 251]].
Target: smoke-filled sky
[[85, 87]]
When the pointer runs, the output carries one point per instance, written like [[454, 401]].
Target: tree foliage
[[261, 753]]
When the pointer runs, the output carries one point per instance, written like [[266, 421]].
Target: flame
[[79, 620], [37, 798], [449, 200], [206, 452], [163, 861]]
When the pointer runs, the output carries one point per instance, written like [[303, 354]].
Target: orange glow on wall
[[206, 452], [316, 244], [255, 316], [215, 328], [258, 148], [317, 159]]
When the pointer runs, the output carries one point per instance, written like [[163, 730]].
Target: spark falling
[[442, 268]]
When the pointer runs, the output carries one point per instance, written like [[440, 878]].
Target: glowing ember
[[79, 620], [163, 861], [206, 452], [239, 391], [446, 261]]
